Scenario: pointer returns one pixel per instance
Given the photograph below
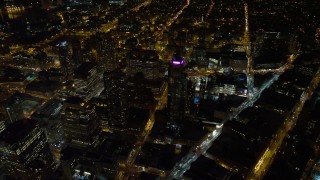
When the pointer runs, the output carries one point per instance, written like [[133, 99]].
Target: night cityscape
[[160, 89]]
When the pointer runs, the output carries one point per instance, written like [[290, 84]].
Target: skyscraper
[[117, 2], [80, 124], [177, 92], [106, 52], [144, 61], [50, 120], [76, 52], [65, 58], [115, 83], [24, 150], [2, 122], [87, 81]]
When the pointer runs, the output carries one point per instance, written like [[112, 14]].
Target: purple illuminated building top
[[177, 60]]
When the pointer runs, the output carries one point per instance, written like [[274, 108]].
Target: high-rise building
[[129, 24], [24, 151], [102, 110], [115, 83], [199, 56], [80, 124], [106, 52], [3, 122], [177, 92], [65, 58], [81, 2], [317, 38], [202, 33], [87, 81], [76, 52], [140, 96], [144, 61], [12, 9], [45, 4], [4, 45], [49, 118], [117, 2]]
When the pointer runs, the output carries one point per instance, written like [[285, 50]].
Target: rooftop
[[144, 55], [84, 69], [42, 86], [74, 100], [20, 98], [17, 131]]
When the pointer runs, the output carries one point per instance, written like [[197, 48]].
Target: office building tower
[[317, 39], [87, 81], [202, 33], [80, 124], [49, 118], [81, 2], [140, 95], [4, 47], [115, 83], [76, 52], [43, 88], [129, 24], [177, 92], [45, 4], [144, 61], [2, 122], [116, 2], [106, 52], [191, 100], [199, 55], [24, 151], [102, 109], [65, 58]]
